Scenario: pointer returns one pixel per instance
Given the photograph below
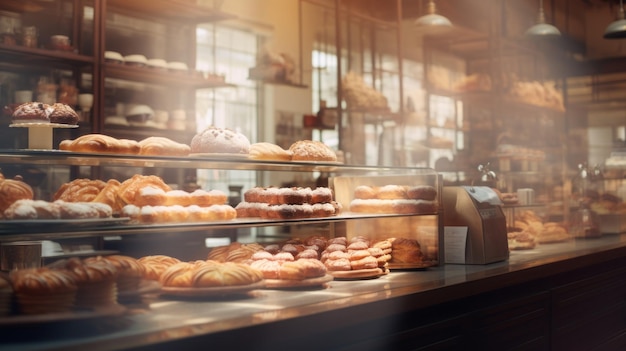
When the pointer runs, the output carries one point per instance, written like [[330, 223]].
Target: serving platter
[[358, 274]]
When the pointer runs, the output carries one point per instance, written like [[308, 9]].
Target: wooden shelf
[[153, 76], [26, 55], [179, 10], [21, 6]]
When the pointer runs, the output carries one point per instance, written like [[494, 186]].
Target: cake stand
[[40, 134]]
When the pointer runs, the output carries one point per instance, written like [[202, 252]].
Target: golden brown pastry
[[404, 250], [79, 190], [312, 150], [224, 274], [161, 146], [178, 275], [269, 151], [101, 143], [155, 265], [44, 290], [12, 190], [130, 271], [129, 190], [108, 195], [95, 281]]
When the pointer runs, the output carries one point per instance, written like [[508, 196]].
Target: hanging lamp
[[542, 29], [617, 29], [432, 19]]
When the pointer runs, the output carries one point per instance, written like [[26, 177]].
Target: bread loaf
[[100, 143], [269, 151], [160, 146]]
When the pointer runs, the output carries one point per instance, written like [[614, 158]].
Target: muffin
[[44, 290]]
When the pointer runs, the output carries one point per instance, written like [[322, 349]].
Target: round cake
[[31, 112], [62, 114], [220, 140]]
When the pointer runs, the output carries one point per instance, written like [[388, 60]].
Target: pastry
[[83, 210], [422, 192], [220, 140], [224, 274], [130, 271], [129, 190], [161, 146], [391, 192], [205, 198], [108, 195], [44, 290], [312, 150], [12, 190], [62, 114], [95, 281], [269, 151], [404, 250], [31, 112], [32, 209], [155, 265], [177, 275], [100, 143], [79, 190]]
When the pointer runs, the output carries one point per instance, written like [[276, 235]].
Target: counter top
[[157, 320]]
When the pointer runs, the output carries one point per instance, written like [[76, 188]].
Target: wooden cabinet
[[163, 29]]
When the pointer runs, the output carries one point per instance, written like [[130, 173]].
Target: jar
[[29, 37], [68, 93]]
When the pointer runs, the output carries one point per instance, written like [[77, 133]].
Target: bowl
[[135, 60], [113, 56], [139, 114], [157, 63], [177, 66]]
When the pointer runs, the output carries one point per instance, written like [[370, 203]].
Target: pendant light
[[542, 29], [617, 29], [432, 19]]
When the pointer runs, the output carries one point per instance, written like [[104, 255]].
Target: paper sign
[[455, 239]]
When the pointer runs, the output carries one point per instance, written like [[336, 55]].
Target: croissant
[[12, 190], [79, 190], [160, 146], [100, 143], [129, 190], [108, 195]]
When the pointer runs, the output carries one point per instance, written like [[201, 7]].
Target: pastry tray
[[358, 274]]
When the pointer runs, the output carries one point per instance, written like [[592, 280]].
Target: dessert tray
[[358, 274], [211, 292], [78, 315], [289, 284]]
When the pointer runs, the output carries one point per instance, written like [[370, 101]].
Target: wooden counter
[[568, 296]]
